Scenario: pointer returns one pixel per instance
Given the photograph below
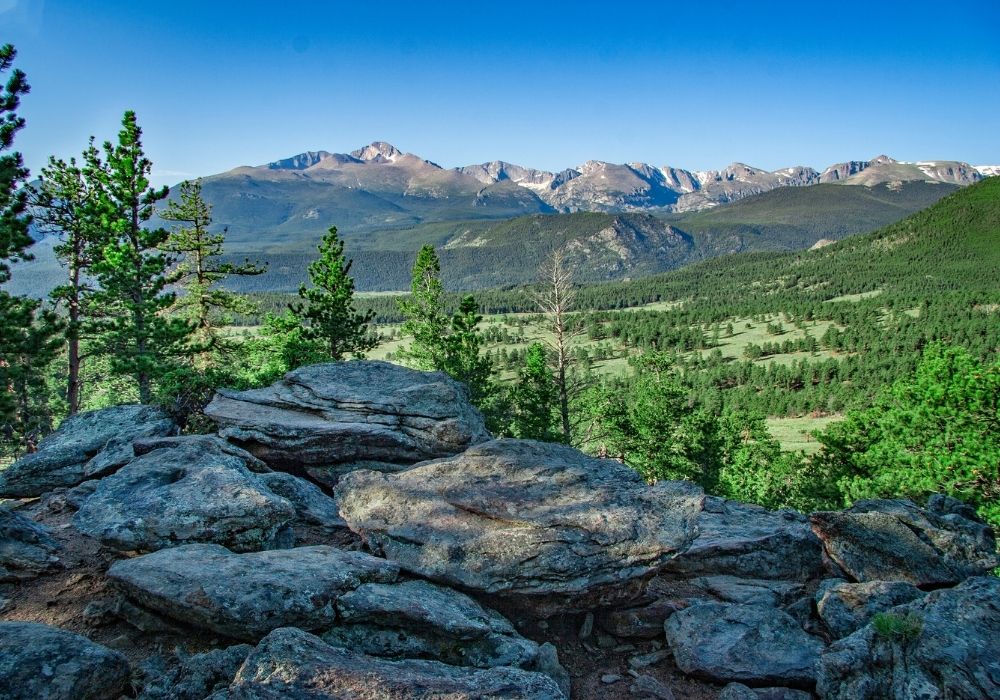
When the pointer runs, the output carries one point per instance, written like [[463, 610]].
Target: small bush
[[898, 627]]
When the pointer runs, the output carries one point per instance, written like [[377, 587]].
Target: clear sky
[[543, 84]]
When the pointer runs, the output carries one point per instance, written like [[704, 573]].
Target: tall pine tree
[[139, 339], [426, 321], [329, 306], [203, 303]]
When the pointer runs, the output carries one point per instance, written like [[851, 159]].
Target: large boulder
[[416, 619], [895, 540], [945, 645], [331, 418], [86, 446], [192, 489], [521, 518], [38, 662], [847, 607], [26, 548], [192, 677], [245, 596], [750, 542], [295, 665], [753, 644]]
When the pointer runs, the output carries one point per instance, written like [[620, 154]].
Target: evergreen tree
[[330, 310], [464, 359], [426, 321], [14, 221], [534, 398], [141, 341], [202, 302], [66, 204]]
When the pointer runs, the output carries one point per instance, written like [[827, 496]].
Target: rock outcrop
[[38, 662], [753, 644], [522, 518], [332, 418], [895, 540], [193, 677], [86, 446], [946, 645], [296, 665], [847, 607], [195, 489], [245, 596], [26, 548]]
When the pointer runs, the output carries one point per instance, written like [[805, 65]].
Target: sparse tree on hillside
[[333, 320], [203, 303]]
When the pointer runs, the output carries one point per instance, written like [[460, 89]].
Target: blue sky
[[543, 84]]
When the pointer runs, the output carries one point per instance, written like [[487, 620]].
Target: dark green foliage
[[898, 627], [141, 341], [198, 274], [330, 310], [426, 321], [533, 398], [935, 431], [14, 222], [281, 345], [464, 358]]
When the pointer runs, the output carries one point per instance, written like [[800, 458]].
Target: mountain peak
[[299, 162], [378, 152]]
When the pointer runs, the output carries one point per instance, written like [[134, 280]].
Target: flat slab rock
[[847, 607], [191, 677], [522, 518], [750, 542], [26, 548], [895, 540], [86, 446], [953, 650], [294, 665], [189, 489], [331, 417], [754, 644], [39, 662], [245, 596]]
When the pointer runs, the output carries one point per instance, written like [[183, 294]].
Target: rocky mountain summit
[[354, 532]]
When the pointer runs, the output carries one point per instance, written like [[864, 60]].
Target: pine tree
[[66, 204], [140, 341], [330, 303], [14, 222], [464, 359], [203, 303], [426, 321], [534, 397]]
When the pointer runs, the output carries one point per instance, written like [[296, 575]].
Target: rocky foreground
[[354, 532]]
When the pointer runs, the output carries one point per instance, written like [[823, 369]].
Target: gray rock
[[847, 607], [194, 490], [731, 589], [144, 446], [245, 596], [738, 691], [748, 541], [416, 619], [753, 644], [523, 518], [193, 677], [38, 662], [649, 659], [26, 548], [86, 446], [649, 688], [312, 506], [641, 622], [894, 540], [294, 665], [951, 649], [609, 678], [330, 417]]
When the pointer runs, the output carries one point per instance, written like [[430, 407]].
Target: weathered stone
[[38, 662], [648, 688], [192, 490], [948, 648], [731, 589], [312, 506], [247, 595], [330, 417], [295, 665], [523, 518], [86, 446], [750, 542], [738, 691], [26, 548], [416, 619], [894, 540], [649, 659], [641, 622], [753, 644], [212, 443], [847, 607], [192, 677]]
